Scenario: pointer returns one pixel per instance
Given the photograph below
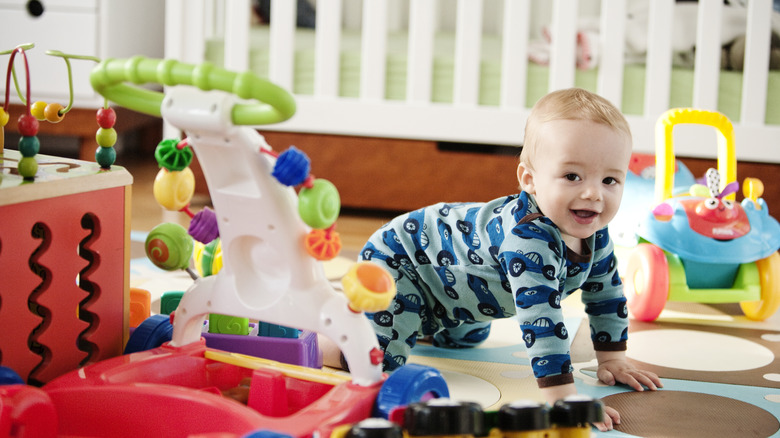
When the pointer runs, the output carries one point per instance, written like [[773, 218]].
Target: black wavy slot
[[42, 232], [91, 223]]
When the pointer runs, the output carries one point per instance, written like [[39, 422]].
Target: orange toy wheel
[[647, 282], [768, 270]]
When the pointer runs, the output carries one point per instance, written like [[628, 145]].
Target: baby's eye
[[609, 181], [572, 177]]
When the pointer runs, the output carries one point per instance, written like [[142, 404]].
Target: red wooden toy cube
[[64, 265]]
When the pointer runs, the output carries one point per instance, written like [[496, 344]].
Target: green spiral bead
[[169, 247]]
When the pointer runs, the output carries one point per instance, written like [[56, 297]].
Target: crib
[[458, 71]]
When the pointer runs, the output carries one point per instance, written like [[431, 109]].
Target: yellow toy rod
[[295, 371], [664, 147]]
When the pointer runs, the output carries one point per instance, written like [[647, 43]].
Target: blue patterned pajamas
[[459, 266]]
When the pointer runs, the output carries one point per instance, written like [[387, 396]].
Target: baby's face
[[578, 176]]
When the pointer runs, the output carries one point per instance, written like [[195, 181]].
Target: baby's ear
[[525, 177]]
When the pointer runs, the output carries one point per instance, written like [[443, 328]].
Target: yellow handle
[[664, 147]]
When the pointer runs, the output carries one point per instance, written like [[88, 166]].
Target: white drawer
[[69, 32], [100, 28], [50, 4]]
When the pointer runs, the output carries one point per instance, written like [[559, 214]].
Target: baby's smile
[[584, 216]]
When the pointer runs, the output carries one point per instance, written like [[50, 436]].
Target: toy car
[[703, 246]]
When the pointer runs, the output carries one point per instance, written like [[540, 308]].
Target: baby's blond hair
[[569, 104]]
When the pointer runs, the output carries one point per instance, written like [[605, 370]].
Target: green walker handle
[[109, 76]]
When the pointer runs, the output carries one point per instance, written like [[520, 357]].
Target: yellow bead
[[173, 190], [3, 117], [38, 110], [52, 112]]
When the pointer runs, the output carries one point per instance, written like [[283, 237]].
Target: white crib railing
[[190, 22]]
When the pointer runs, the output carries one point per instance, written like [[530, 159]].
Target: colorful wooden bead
[[54, 112]]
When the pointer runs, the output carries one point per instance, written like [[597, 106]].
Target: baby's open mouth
[[584, 217], [584, 213]]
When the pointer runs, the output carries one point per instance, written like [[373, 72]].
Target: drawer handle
[[35, 8]]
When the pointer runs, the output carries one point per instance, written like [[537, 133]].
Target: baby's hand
[[611, 418], [620, 370]]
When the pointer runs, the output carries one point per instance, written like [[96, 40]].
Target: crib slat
[[184, 39], [563, 54], [373, 50], [756, 71], [468, 42], [327, 48], [282, 38], [514, 53], [420, 52], [215, 19], [707, 60], [237, 34], [613, 28], [659, 57]]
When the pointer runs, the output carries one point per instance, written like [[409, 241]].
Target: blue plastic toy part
[[292, 167], [265, 434], [9, 377], [276, 331], [153, 332], [409, 384], [676, 236]]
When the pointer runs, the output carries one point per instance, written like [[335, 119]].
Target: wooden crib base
[[394, 175]]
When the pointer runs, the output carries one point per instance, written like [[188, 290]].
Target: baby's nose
[[592, 192]]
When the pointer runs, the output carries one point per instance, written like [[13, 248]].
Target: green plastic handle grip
[[111, 76]]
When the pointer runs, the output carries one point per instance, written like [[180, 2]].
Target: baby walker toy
[[703, 246], [183, 387]]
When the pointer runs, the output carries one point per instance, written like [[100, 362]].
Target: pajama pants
[[416, 313]]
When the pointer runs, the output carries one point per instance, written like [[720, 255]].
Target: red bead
[[106, 118], [28, 125]]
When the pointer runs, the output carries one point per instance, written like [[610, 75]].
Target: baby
[[459, 266]]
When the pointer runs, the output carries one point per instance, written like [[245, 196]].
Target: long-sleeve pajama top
[[459, 266]]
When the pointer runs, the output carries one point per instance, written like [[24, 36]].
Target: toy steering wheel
[[109, 77]]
